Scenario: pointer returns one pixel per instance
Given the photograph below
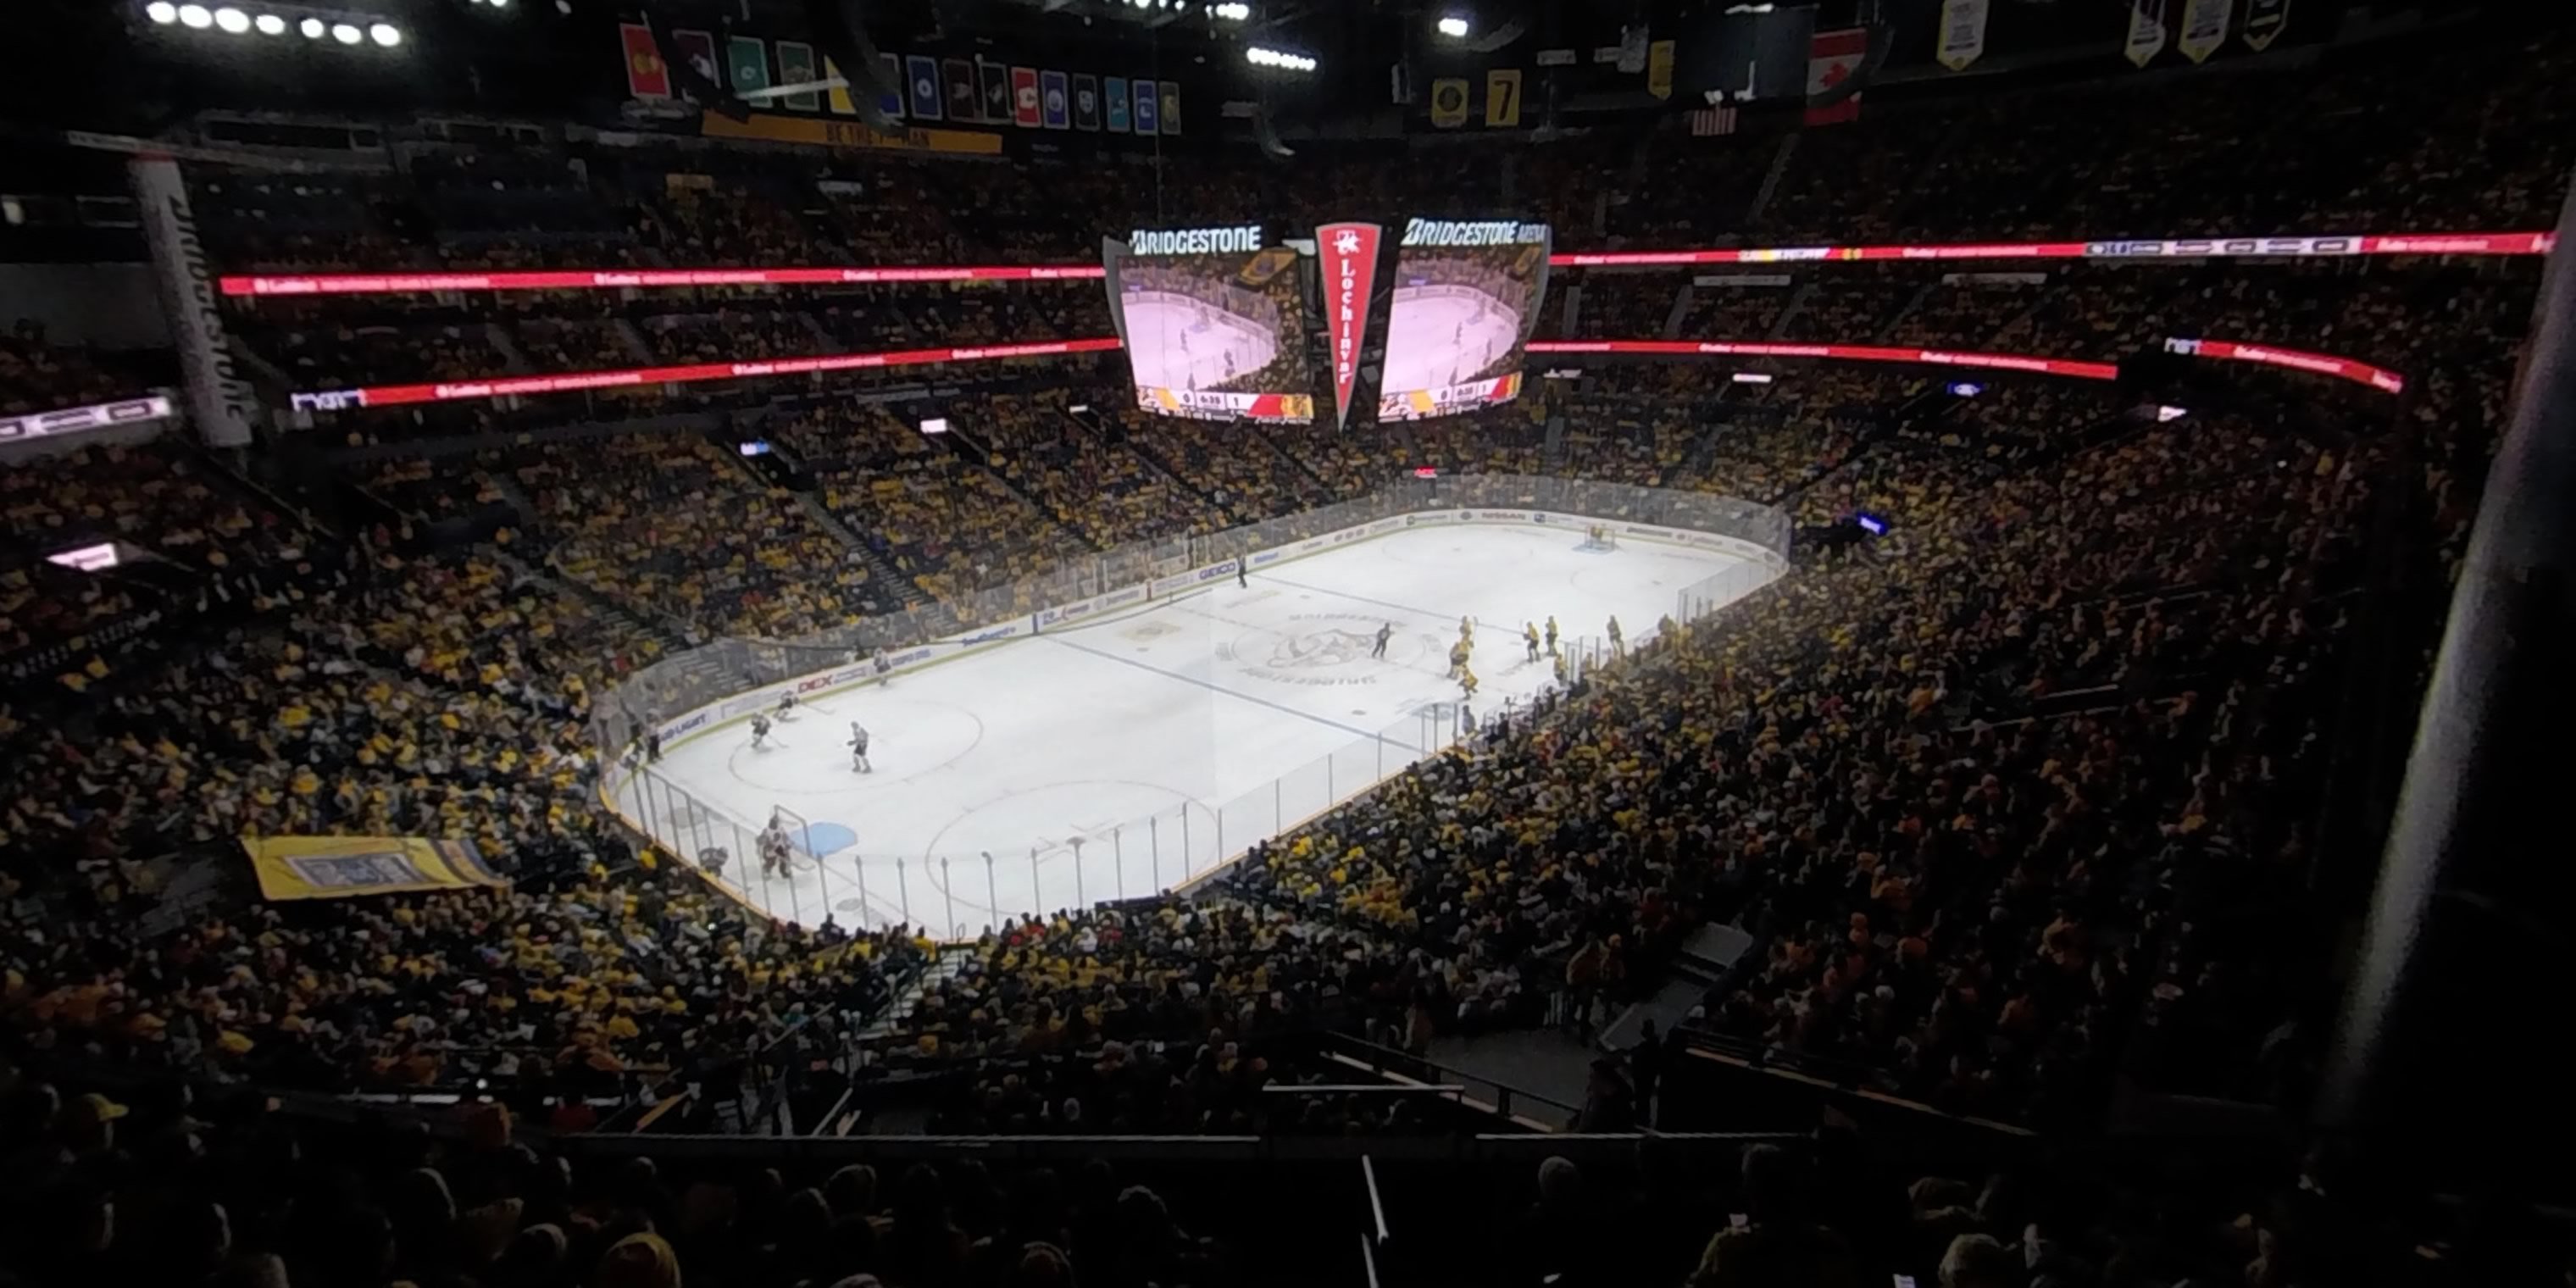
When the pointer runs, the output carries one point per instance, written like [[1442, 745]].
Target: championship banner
[[1348, 253], [1503, 98], [797, 66], [1833, 58], [2146, 32], [223, 403], [1963, 33], [1086, 102], [1448, 103], [2204, 27], [921, 85], [994, 80], [1024, 97], [838, 97], [957, 77], [1114, 89], [2264, 20], [337, 867], [646, 77], [746, 64], [1659, 69], [1149, 107], [699, 48], [1055, 100], [1171, 107]]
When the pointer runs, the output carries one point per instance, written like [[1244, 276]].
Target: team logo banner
[[747, 63], [994, 80], [1171, 122], [1024, 97], [957, 78], [1149, 107], [1115, 90], [1086, 101], [337, 867], [646, 77], [1963, 33], [891, 98], [1055, 100], [2204, 27], [838, 97], [2264, 20], [797, 66], [1349, 256], [1659, 69], [699, 48], [921, 78]]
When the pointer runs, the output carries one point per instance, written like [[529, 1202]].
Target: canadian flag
[[1833, 59], [1349, 259]]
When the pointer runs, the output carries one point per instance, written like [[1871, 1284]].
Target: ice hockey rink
[[1165, 740], [1439, 336], [1177, 343]]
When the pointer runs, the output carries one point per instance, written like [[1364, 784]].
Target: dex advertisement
[[1467, 296]]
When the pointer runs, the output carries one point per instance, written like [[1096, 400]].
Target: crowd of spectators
[[1993, 796]]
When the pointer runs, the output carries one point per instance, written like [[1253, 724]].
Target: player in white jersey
[[773, 850], [759, 730], [885, 668], [859, 748]]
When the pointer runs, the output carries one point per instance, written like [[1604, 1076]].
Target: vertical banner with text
[[222, 402], [2264, 20], [1349, 259], [1963, 33], [2204, 27], [2146, 32]]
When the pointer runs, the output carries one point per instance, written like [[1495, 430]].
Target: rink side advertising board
[[1467, 296], [1214, 323]]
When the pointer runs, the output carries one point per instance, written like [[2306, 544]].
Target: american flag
[[1708, 122]]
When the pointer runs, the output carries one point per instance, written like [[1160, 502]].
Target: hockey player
[[885, 668], [773, 850], [859, 748], [1551, 632], [1560, 667], [786, 704], [1384, 633], [1466, 681], [1242, 574], [759, 730], [1467, 629], [1529, 632], [1457, 659], [1618, 644]]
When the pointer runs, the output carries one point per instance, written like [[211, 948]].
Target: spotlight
[[270, 24], [385, 34], [1260, 57], [1233, 11], [311, 27], [161, 11], [195, 17], [346, 34], [1454, 28], [232, 20]]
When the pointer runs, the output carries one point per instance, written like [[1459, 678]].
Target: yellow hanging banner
[[337, 867], [1659, 69], [1448, 103]]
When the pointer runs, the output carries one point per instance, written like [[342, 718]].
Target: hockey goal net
[[1600, 536]]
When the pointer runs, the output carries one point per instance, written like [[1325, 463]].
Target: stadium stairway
[[950, 963], [1895, 319], [1797, 303], [1772, 178], [513, 358]]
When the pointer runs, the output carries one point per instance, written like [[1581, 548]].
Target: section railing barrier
[[956, 896]]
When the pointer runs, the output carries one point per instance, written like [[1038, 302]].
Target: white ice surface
[[1169, 350], [1440, 336], [1188, 712]]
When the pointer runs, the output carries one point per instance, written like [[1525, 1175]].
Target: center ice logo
[[1323, 648]]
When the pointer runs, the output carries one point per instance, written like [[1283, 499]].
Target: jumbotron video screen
[[1467, 295], [1214, 324]]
